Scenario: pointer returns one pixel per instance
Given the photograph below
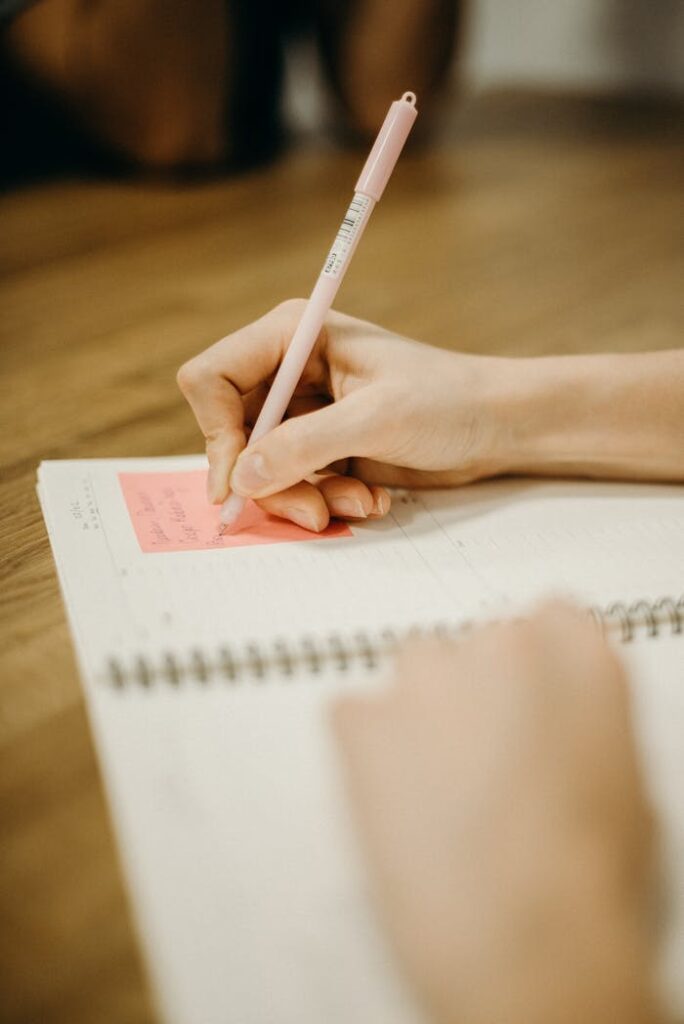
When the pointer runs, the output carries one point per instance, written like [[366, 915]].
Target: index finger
[[215, 381]]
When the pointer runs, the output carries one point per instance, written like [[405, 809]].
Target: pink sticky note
[[170, 512]]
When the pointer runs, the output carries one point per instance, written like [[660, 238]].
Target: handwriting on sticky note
[[170, 512]]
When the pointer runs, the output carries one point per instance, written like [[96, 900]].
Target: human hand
[[498, 795], [379, 408], [388, 411]]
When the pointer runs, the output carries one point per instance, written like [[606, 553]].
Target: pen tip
[[230, 514], [229, 520]]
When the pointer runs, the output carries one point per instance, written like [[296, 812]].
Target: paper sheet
[[244, 875]]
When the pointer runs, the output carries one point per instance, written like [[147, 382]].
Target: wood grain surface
[[533, 225]]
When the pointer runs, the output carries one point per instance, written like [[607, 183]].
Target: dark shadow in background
[[41, 139], [647, 39], [38, 138]]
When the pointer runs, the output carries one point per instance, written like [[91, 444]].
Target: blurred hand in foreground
[[498, 796]]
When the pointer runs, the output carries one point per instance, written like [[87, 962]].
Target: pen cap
[[387, 147]]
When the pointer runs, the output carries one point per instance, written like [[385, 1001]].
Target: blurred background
[[586, 44], [152, 204], [590, 46], [122, 84]]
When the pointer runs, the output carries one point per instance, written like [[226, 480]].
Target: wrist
[[602, 416], [551, 416]]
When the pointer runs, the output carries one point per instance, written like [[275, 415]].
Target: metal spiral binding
[[257, 663], [653, 617], [254, 662]]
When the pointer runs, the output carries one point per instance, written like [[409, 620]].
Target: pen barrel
[[313, 317], [347, 238], [296, 357], [387, 147], [369, 188]]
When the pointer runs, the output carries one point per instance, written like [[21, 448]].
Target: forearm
[[619, 416]]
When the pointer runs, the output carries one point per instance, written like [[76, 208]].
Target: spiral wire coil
[[257, 662]]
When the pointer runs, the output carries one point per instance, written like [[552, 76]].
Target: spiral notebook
[[209, 664]]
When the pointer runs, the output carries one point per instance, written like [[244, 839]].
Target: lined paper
[[250, 894]]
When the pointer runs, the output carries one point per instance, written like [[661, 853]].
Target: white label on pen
[[349, 229]]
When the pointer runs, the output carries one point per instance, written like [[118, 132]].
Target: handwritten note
[[170, 512]]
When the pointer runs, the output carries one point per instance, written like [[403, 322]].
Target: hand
[[380, 408], [498, 795], [385, 410]]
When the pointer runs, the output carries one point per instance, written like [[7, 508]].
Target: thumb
[[303, 445]]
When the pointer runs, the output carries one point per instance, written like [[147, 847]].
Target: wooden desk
[[537, 225]]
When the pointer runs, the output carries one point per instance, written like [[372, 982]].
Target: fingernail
[[347, 507], [379, 505], [301, 517], [231, 511], [250, 475]]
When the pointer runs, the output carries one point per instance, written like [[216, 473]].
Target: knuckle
[[290, 307], [194, 375], [188, 376], [286, 315], [214, 441]]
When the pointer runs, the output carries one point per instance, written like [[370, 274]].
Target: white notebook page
[[245, 878], [441, 555]]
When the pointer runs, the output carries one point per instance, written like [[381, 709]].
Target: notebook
[[209, 665]]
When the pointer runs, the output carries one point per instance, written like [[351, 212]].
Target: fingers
[[348, 498], [311, 505], [302, 504], [355, 722], [218, 410], [301, 446], [215, 381], [592, 669]]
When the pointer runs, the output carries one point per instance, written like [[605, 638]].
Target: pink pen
[[369, 188]]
